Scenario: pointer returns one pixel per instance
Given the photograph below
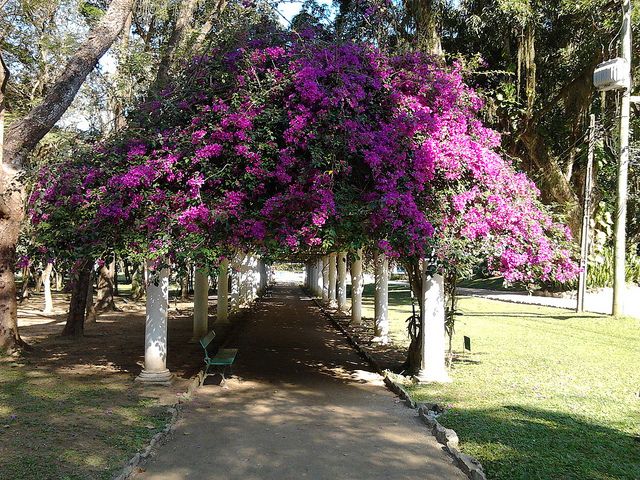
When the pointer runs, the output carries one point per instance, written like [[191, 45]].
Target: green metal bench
[[224, 357]]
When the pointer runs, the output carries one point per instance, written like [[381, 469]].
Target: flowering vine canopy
[[299, 145]]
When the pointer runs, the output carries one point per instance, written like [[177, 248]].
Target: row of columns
[[249, 281], [326, 278]]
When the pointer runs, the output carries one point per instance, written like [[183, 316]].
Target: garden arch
[[292, 146]]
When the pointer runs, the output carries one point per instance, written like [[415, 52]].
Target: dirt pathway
[[302, 404]]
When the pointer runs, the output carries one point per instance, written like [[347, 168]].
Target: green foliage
[[91, 12], [600, 271]]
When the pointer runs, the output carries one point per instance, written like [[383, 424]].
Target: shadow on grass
[[399, 293], [518, 442], [59, 425], [527, 315]]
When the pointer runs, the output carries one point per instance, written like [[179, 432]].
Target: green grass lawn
[[544, 394], [491, 283], [70, 426]]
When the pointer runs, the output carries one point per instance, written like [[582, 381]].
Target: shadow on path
[[302, 404]]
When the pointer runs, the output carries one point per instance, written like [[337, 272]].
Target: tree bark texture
[[39, 281], [78, 304], [422, 15], [26, 278], [90, 313], [23, 135], [137, 282], [9, 338], [104, 299], [412, 363], [184, 18]]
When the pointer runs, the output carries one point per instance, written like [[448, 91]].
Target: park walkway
[[302, 404]]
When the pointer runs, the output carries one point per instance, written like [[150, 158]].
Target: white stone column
[[265, 277], [332, 279], [223, 292], [317, 286], [200, 304], [341, 286], [432, 358], [234, 292], [325, 278], [381, 298], [242, 280], [255, 277], [155, 337], [262, 276], [46, 283], [357, 286]]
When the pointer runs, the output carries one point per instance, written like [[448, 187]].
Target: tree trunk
[[137, 283], [59, 285], [26, 277], [10, 340], [127, 272], [184, 285], [104, 300], [23, 135], [423, 19], [90, 313], [39, 281], [115, 277], [46, 281], [184, 18], [78, 304], [411, 365]]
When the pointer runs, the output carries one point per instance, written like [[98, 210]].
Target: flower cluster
[[296, 144]]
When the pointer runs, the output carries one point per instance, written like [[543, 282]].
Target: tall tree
[[23, 135], [422, 19]]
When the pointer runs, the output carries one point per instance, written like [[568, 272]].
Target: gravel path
[[302, 404]]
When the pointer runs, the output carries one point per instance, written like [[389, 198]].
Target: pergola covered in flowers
[[289, 146]]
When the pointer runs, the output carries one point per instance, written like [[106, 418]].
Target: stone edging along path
[[428, 412], [175, 409]]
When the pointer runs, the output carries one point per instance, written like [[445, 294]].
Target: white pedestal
[[433, 368], [325, 278], [357, 286], [341, 287], [332, 279], [155, 339], [381, 298]]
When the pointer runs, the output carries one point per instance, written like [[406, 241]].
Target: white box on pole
[[613, 74]]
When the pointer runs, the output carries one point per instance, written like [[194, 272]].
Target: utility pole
[[586, 216], [619, 284]]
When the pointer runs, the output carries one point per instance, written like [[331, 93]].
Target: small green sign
[[467, 343]]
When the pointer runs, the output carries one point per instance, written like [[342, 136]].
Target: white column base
[[357, 285], [427, 376], [162, 377], [432, 364]]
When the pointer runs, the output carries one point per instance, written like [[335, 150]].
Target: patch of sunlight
[[5, 411], [368, 377], [84, 459]]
